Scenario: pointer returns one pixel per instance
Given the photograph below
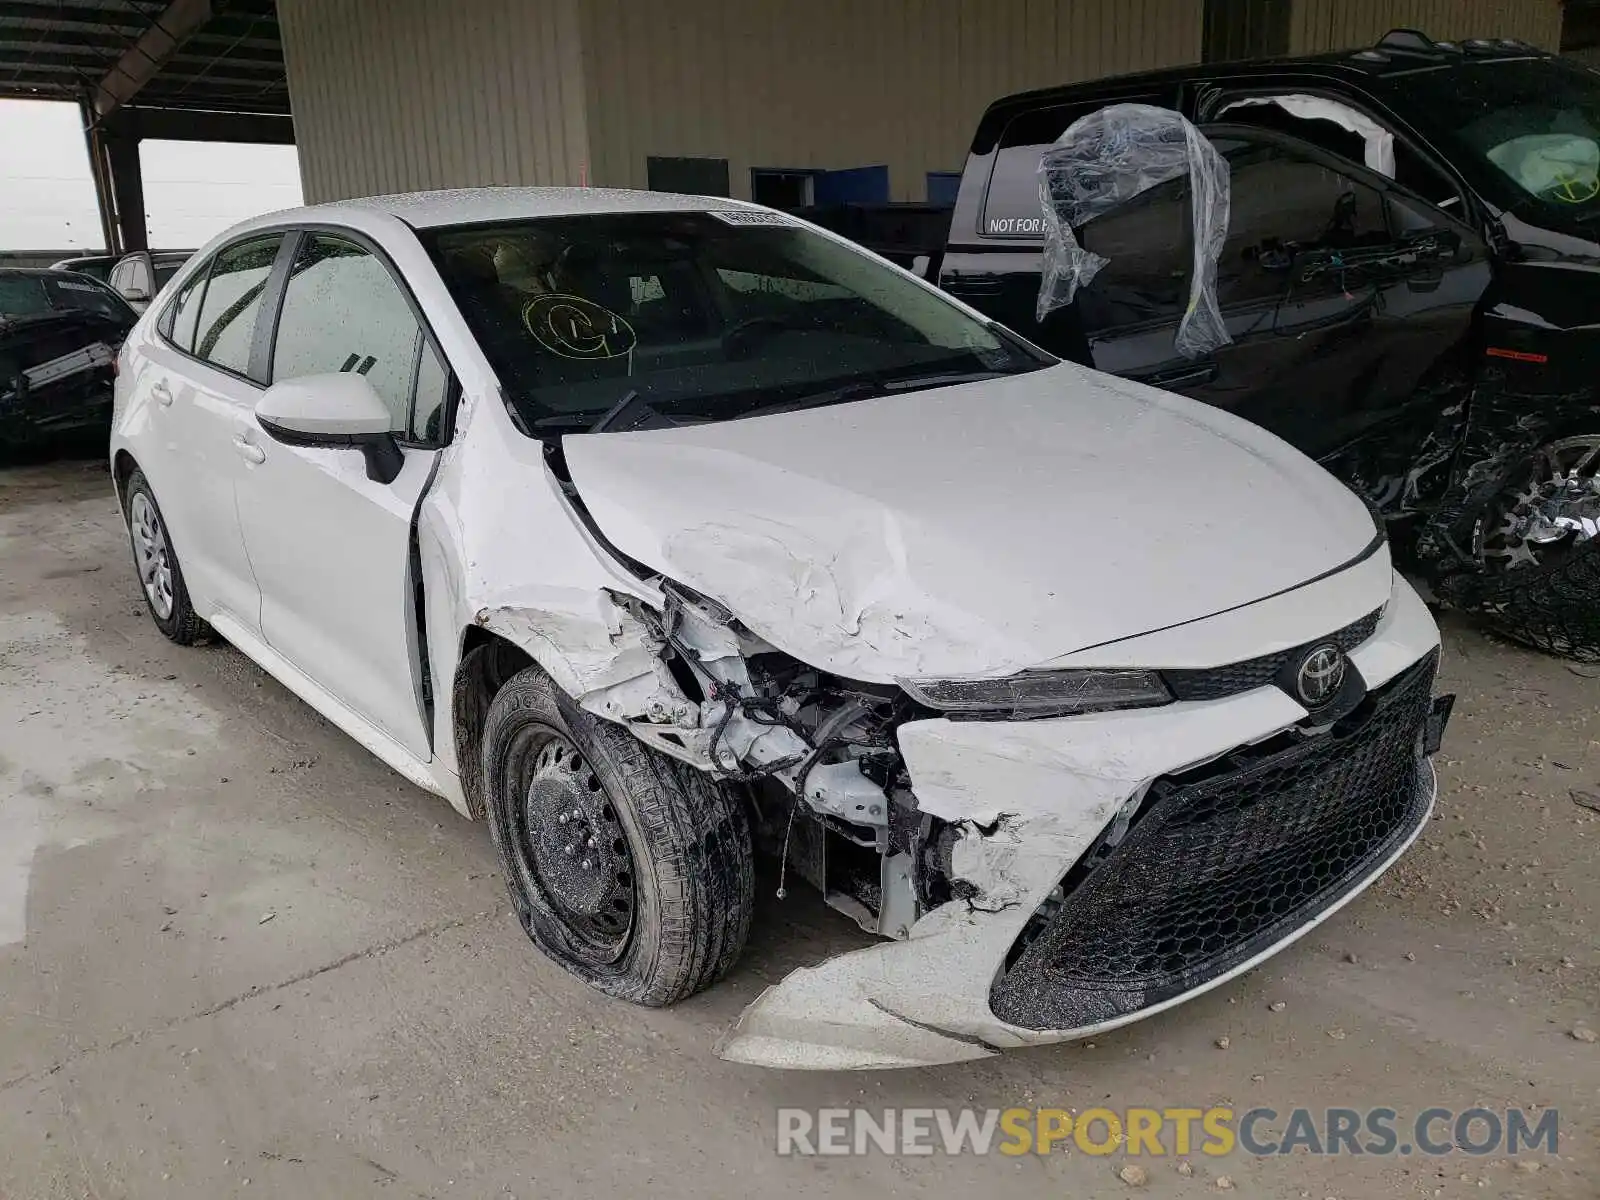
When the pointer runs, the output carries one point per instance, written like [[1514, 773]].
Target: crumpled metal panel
[[1552, 606]]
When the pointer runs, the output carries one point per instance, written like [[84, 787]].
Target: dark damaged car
[[59, 337], [1406, 281]]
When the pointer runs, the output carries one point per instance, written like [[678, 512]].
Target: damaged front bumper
[[1116, 864]]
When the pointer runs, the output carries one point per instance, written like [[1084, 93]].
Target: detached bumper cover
[[1225, 862]]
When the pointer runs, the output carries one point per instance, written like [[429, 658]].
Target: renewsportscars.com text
[[1158, 1132]]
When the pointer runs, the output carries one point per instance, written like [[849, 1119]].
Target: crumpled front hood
[[972, 530]]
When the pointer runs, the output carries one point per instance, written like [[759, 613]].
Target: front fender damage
[[679, 679], [949, 836], [600, 653]]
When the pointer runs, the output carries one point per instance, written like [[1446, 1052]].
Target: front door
[[330, 547], [1340, 292]]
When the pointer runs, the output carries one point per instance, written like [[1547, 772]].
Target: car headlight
[[1031, 694]]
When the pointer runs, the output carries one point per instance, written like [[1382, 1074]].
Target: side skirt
[[429, 776]]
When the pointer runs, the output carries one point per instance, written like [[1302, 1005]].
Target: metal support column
[[98, 172], [127, 186]]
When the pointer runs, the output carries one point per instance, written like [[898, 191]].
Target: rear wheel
[[160, 576], [628, 868]]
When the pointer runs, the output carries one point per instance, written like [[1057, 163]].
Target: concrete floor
[[240, 957]]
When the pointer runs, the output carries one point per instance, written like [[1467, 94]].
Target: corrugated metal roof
[[61, 49]]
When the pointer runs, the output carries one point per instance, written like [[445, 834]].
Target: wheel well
[[487, 661], [122, 468]]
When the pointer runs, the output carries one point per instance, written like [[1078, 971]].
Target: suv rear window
[[1012, 209], [34, 295]]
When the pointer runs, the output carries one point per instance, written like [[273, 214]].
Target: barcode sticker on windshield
[[749, 216], [66, 285]]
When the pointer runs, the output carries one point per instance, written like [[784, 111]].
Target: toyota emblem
[[1320, 674]]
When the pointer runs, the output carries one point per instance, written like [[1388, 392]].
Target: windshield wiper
[[867, 389], [631, 412]]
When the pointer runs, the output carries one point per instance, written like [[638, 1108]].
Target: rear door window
[[179, 320], [226, 323]]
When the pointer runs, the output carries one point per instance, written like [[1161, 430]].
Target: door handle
[[162, 393], [972, 285], [248, 450], [1179, 377]]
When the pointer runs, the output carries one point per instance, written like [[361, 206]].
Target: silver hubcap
[[151, 555], [1558, 504]]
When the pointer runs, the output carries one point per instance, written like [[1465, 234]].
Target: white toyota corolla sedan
[[655, 529]]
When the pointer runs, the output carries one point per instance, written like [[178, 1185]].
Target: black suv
[[1410, 278]]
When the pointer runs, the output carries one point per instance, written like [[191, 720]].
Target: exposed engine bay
[[827, 784]]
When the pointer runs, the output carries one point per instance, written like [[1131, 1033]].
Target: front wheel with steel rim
[[160, 577], [631, 870]]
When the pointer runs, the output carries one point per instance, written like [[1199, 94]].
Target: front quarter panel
[[1029, 799], [502, 549]]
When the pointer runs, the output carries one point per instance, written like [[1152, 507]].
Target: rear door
[[1340, 291], [330, 547], [200, 389]]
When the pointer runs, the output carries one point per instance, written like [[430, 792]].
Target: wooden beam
[[141, 62]]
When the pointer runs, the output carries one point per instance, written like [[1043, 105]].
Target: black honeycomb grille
[[1224, 861], [1213, 683]]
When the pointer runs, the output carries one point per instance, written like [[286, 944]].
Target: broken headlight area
[[1031, 694]]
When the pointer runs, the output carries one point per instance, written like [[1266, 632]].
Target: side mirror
[[136, 292], [341, 409]]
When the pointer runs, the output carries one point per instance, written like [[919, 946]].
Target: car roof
[[1399, 52], [482, 205]]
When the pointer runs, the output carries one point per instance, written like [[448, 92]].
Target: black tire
[[685, 843], [180, 624], [1545, 597]]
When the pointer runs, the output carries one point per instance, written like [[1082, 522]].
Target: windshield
[[1530, 127], [36, 295], [690, 316]]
